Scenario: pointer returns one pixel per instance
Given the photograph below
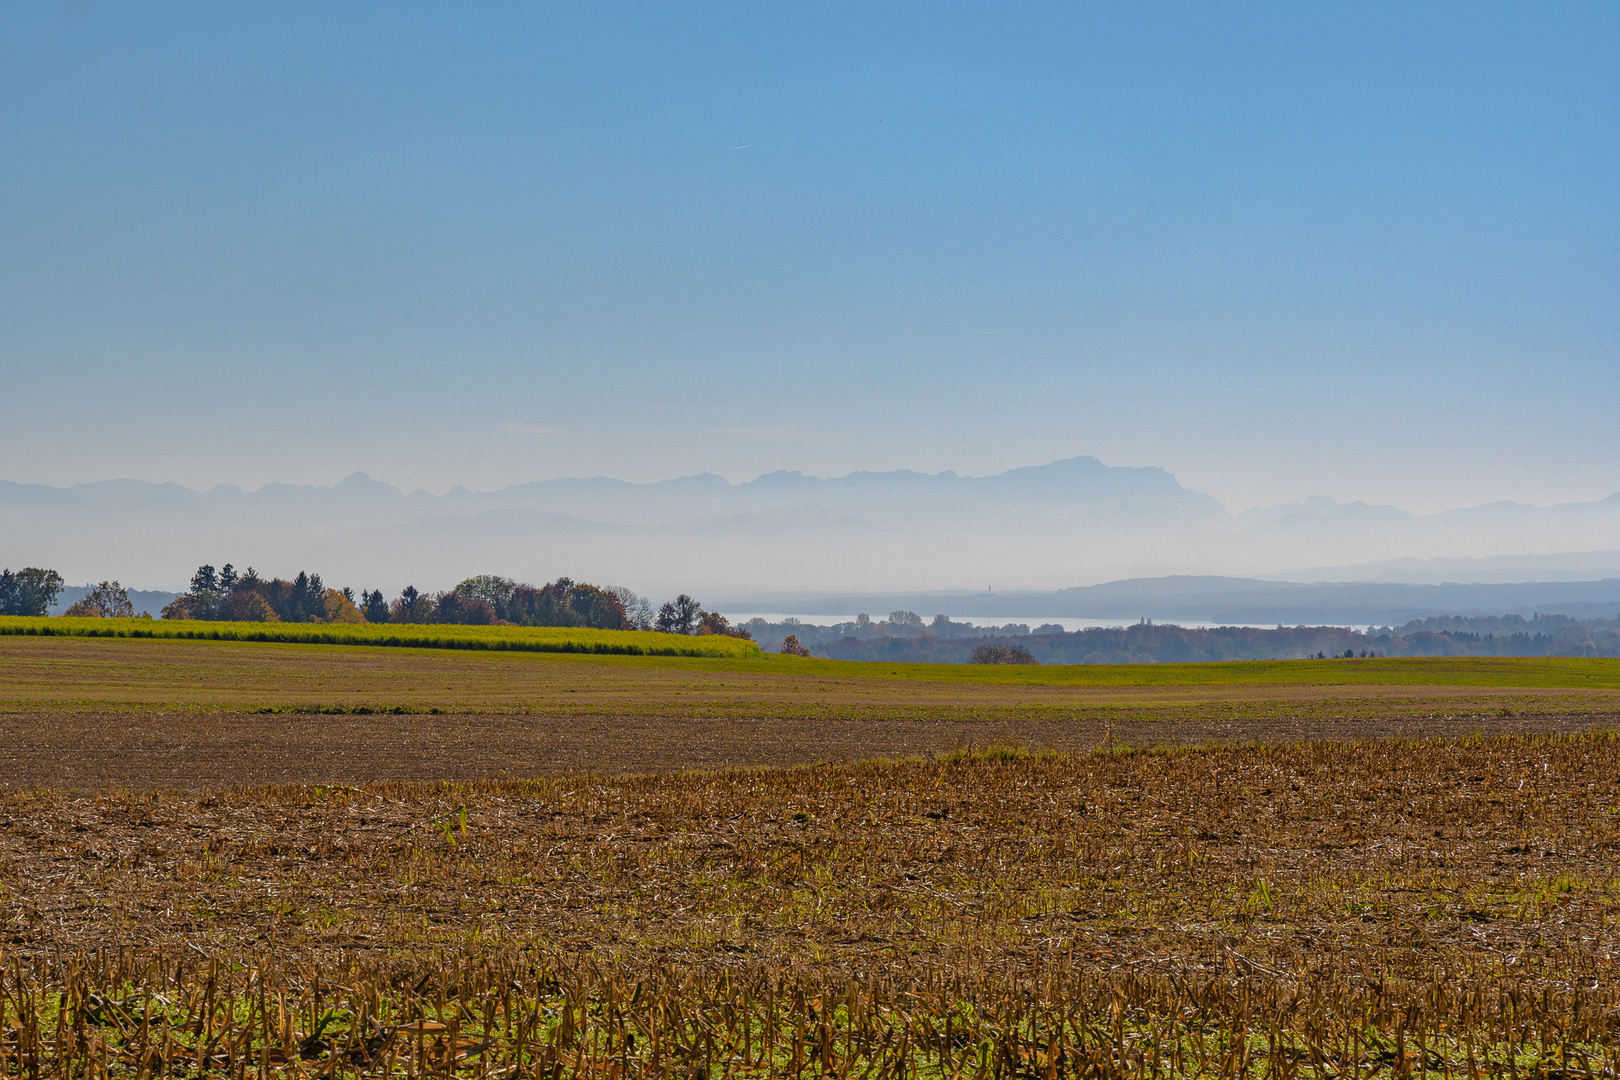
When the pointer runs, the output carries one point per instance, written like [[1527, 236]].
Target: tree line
[[224, 594], [487, 599], [1152, 643], [1143, 643], [902, 637]]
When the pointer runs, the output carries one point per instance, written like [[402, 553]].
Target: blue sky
[[1368, 251]]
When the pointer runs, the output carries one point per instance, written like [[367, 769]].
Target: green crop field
[[487, 638], [739, 655], [1538, 672]]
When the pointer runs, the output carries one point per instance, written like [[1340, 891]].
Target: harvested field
[[90, 751], [1444, 908], [85, 713], [1374, 905]]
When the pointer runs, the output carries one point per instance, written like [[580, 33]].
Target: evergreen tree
[[204, 581], [374, 606]]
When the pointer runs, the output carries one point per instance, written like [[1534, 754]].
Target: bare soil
[[425, 833], [87, 751], [81, 714]]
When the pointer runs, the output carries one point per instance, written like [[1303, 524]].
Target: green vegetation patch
[[716, 653], [1533, 672], [397, 635], [1543, 672]]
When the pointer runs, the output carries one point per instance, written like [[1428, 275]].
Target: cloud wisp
[[771, 432]]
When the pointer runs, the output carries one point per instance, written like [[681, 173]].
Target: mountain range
[[1067, 524], [1227, 601]]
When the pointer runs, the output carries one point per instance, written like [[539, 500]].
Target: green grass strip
[[1546, 673], [737, 655]]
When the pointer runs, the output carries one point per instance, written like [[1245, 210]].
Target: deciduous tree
[[108, 600], [712, 622], [638, 610], [791, 646], [665, 622], [686, 612], [454, 607], [245, 605], [29, 591], [337, 608], [598, 608], [493, 590], [904, 623], [411, 607]]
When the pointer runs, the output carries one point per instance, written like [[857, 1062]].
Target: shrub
[[1003, 654], [712, 622]]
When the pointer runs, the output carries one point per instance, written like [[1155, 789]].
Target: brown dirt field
[[1338, 896], [1376, 857], [85, 714], [87, 751], [1332, 910]]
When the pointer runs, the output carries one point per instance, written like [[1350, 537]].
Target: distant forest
[[905, 638], [224, 595]]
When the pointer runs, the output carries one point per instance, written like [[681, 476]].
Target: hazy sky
[[1363, 250]]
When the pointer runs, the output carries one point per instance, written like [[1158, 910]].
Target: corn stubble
[[1381, 909]]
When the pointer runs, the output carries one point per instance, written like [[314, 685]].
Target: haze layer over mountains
[[1070, 523]]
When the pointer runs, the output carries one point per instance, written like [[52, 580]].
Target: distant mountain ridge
[[1043, 527], [144, 601], [1074, 485], [1228, 600], [1489, 569]]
